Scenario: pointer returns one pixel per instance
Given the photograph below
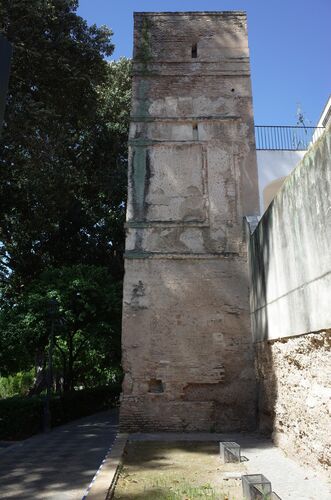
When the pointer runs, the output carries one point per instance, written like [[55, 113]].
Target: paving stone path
[[59, 465]]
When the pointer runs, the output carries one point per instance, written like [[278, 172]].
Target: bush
[[16, 385], [81, 403], [22, 417]]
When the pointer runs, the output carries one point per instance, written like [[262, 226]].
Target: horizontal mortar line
[[230, 60], [152, 142], [300, 287], [138, 225], [190, 118], [145, 74], [178, 255]]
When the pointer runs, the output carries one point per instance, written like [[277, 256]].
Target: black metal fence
[[274, 137]]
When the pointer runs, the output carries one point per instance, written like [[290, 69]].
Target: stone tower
[[187, 350]]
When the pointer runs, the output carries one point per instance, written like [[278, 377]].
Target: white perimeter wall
[[275, 164], [290, 252]]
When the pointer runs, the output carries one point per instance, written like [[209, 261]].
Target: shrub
[[21, 417], [16, 385], [81, 403]]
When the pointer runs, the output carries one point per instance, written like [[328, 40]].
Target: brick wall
[[187, 351]]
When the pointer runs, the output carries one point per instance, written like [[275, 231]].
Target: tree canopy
[[63, 163], [63, 147], [86, 325]]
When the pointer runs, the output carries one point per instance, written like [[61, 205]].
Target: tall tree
[[86, 326], [63, 159], [63, 147]]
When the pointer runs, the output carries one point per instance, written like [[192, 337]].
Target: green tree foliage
[[16, 385], [86, 327], [63, 147], [63, 163]]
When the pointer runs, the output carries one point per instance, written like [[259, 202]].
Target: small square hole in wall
[[155, 386], [194, 50], [195, 131]]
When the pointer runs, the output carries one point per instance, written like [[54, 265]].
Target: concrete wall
[[291, 252], [270, 191], [274, 165], [290, 257], [187, 351]]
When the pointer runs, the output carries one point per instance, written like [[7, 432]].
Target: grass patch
[[162, 491], [159, 470]]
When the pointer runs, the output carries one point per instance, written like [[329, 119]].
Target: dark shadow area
[[154, 453], [147, 494], [144, 452], [60, 464], [259, 262]]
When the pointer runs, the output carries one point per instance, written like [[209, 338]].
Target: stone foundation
[[295, 395]]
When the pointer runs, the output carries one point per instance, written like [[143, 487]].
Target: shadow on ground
[[58, 465], [190, 442]]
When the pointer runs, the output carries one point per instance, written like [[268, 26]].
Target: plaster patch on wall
[[178, 172], [192, 239]]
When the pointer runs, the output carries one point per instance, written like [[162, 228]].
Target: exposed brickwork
[[187, 350]]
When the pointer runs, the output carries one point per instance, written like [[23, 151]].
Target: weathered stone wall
[[295, 395], [187, 350], [290, 257]]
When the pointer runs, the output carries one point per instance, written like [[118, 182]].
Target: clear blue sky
[[290, 42]]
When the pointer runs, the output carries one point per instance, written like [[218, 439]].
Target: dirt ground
[[177, 471]]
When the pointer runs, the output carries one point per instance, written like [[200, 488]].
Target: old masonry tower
[[187, 348]]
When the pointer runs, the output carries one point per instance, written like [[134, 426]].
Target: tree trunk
[[68, 380], [40, 382]]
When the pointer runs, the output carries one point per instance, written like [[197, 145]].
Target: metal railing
[[274, 137]]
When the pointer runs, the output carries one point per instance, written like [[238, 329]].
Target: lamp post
[[52, 313]]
